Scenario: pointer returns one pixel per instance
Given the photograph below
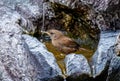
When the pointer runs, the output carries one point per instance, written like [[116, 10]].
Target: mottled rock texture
[[103, 13], [31, 12], [18, 62], [24, 58], [77, 68], [114, 69], [102, 56], [14, 54], [44, 61]]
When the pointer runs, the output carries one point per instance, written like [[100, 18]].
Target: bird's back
[[65, 45]]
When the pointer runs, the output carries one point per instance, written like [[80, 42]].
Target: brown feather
[[63, 43]]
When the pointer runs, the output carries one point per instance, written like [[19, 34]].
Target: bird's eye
[[51, 33]]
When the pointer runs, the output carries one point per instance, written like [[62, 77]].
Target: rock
[[14, 54], [101, 5], [25, 24], [8, 18], [44, 61], [33, 6], [31, 11], [16, 59], [20, 57], [114, 69], [69, 3], [4, 76], [102, 13], [104, 53], [101, 23], [77, 68]]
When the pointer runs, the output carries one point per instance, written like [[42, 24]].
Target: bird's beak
[[45, 32]]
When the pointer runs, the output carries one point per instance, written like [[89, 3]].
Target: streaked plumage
[[63, 43]]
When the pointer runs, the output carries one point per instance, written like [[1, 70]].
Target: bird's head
[[54, 34]]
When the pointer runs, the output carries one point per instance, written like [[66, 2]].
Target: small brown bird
[[63, 43]]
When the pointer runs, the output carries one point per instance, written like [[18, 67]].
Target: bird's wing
[[68, 43]]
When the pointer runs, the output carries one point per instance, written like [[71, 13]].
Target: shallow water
[[60, 57]]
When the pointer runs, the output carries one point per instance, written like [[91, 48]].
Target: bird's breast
[[55, 43], [62, 48]]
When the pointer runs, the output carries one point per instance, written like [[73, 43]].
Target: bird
[[61, 42]]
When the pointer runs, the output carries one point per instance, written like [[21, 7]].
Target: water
[[60, 57]]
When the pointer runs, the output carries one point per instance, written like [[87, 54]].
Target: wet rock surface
[[31, 12], [44, 61], [102, 56], [114, 69], [16, 59], [77, 68], [14, 54]]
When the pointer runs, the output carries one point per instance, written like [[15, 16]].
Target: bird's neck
[[56, 37]]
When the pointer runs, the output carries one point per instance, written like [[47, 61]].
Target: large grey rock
[[16, 60], [77, 68], [114, 69], [4, 76], [14, 54], [33, 6], [7, 15], [44, 62], [102, 56], [9, 21], [30, 10]]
